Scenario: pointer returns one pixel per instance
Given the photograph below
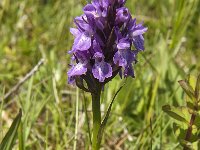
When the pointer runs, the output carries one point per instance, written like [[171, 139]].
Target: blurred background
[[34, 29]]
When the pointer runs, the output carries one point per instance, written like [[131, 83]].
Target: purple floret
[[104, 37], [122, 15], [101, 70]]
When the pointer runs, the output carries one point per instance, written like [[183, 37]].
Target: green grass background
[[35, 29]]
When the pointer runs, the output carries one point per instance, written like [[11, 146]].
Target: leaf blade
[[177, 113], [103, 124], [10, 136], [188, 89], [197, 88]]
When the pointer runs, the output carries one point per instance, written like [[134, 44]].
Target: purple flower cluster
[[104, 37]]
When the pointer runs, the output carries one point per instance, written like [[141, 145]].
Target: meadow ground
[[35, 29]]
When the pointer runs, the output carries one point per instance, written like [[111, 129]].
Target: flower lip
[[139, 30], [90, 10], [129, 71], [82, 42], [124, 58], [125, 12], [102, 70], [75, 32], [123, 15], [98, 57], [123, 44]]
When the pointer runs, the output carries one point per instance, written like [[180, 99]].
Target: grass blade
[[77, 116], [87, 118], [10, 136]]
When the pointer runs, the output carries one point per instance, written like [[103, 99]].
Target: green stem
[[189, 130], [96, 119]]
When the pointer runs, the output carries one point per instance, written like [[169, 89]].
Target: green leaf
[[179, 132], [186, 144], [21, 137], [197, 88], [190, 103], [188, 89], [9, 139], [192, 81], [103, 124], [180, 114], [197, 121]]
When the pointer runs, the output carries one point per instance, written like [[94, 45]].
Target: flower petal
[[82, 42], [98, 55], [123, 44], [122, 15], [90, 10], [121, 2], [138, 42], [82, 24], [77, 70], [131, 24], [71, 80], [124, 57], [102, 70], [75, 32], [96, 46], [128, 71], [139, 30], [82, 56]]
